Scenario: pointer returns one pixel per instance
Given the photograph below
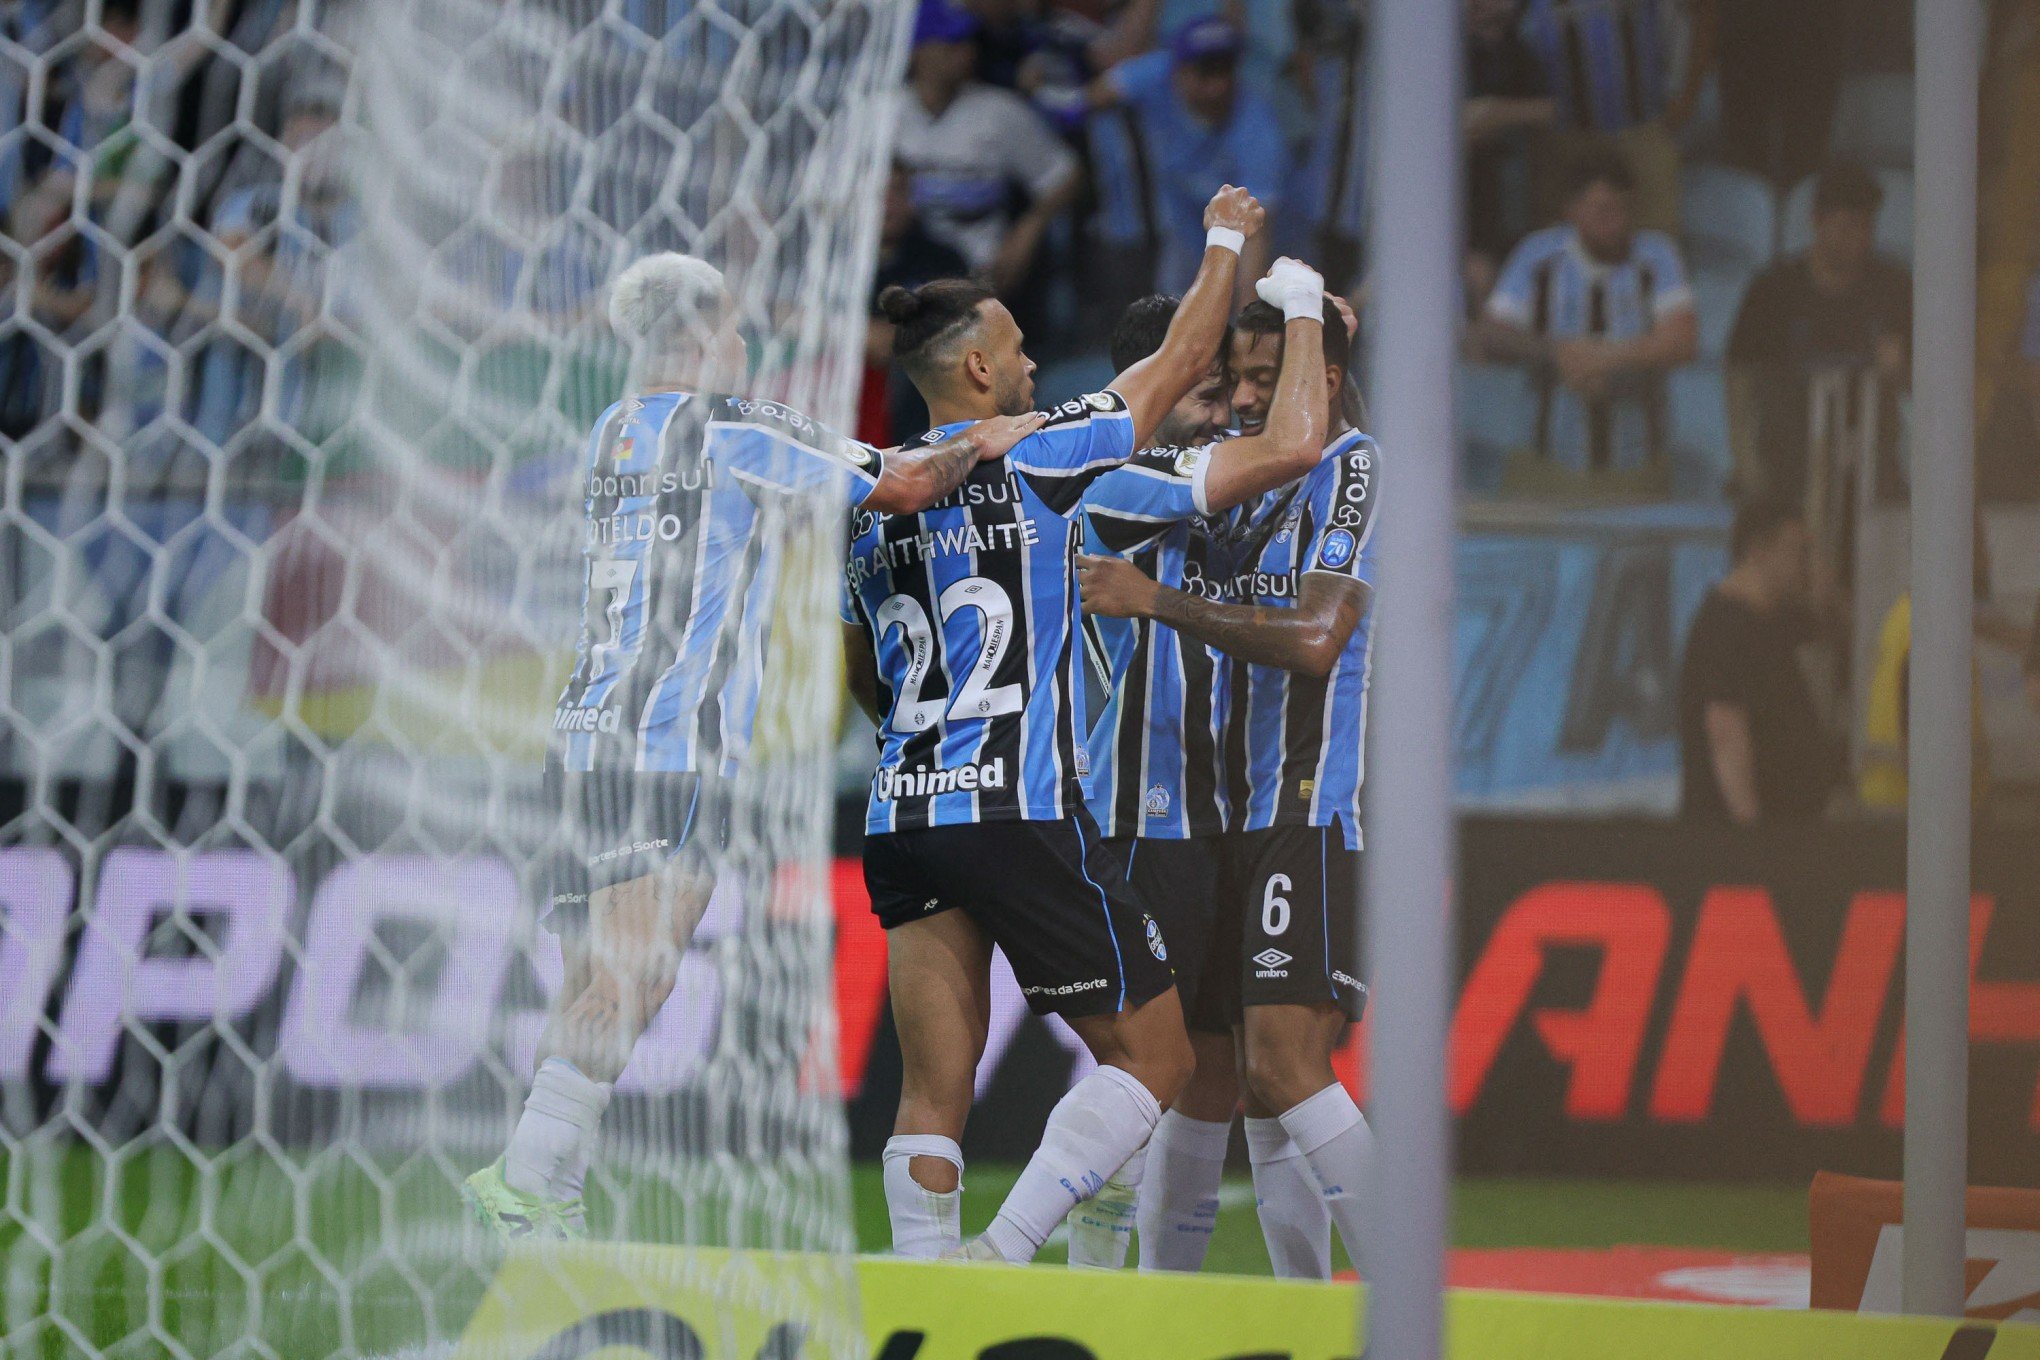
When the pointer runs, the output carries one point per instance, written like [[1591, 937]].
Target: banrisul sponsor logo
[[892, 783]]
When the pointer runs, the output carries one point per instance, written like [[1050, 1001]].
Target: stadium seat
[[1717, 293], [1497, 414], [1699, 431], [1873, 121], [1894, 220], [1728, 216]]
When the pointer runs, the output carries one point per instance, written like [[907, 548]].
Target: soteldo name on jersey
[[891, 782]]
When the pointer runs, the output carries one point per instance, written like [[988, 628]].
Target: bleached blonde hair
[[667, 302]]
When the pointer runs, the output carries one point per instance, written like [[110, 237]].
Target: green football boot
[[511, 1214]]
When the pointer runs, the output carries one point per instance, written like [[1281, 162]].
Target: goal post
[[305, 336]]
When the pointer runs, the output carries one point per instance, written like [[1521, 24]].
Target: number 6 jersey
[[685, 499], [972, 609]]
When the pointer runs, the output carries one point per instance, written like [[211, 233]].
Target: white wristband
[[1225, 238], [1304, 309]]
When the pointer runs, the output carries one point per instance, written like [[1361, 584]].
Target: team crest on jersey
[[1083, 763], [1156, 945], [1337, 549], [1157, 801]]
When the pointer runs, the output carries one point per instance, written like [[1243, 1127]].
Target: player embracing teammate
[[1279, 604], [1225, 767]]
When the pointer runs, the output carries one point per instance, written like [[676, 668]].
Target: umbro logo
[[1271, 958]]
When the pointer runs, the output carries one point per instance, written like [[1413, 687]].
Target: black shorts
[[617, 825], [1178, 881], [1052, 895], [1291, 913]]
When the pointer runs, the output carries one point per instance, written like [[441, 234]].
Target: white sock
[[1336, 1141], [1294, 1217], [559, 1117], [1179, 1195], [572, 1175], [1102, 1226], [924, 1224], [1091, 1131]]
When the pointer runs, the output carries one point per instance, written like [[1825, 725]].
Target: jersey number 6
[[976, 697], [1274, 906]]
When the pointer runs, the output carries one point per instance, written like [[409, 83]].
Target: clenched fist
[[1235, 208]]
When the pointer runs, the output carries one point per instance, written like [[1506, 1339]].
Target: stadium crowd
[[1685, 262]]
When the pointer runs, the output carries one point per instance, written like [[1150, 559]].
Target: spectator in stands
[[1780, 71], [890, 410], [1608, 64], [1049, 54], [1507, 98], [1326, 217], [1884, 779], [1597, 312], [2008, 446], [1268, 40], [1840, 307], [973, 148], [1752, 745], [1194, 126]]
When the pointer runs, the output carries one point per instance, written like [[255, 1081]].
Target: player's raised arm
[[1289, 444], [919, 475], [1159, 381]]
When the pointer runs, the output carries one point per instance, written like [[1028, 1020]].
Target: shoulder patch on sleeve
[[1353, 487], [1083, 408]]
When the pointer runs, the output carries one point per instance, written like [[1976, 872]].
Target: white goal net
[[304, 335]]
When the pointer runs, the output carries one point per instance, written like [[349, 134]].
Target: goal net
[[304, 338]]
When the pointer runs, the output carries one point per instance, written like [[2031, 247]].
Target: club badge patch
[[1154, 939], [1337, 549]]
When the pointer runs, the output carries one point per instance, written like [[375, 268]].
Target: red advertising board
[[1646, 998]]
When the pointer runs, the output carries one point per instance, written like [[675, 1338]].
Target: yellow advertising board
[[590, 1302]]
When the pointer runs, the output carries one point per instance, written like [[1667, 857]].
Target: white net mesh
[[303, 342]]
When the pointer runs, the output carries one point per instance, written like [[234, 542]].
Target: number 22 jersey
[[972, 609]]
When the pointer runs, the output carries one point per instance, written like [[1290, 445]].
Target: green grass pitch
[[386, 1259]]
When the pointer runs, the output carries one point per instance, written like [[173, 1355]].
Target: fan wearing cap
[[973, 149], [1198, 126]]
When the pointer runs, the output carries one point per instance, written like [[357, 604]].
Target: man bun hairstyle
[[924, 317]]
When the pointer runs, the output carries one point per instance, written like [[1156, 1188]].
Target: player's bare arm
[[1159, 381], [1291, 442], [917, 476], [1306, 639]]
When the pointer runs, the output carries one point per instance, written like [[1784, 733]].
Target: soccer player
[[1157, 788], [1294, 625], [965, 617], [686, 490]]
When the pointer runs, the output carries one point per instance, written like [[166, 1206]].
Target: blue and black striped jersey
[[1155, 751], [685, 502], [1294, 747], [972, 609]]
